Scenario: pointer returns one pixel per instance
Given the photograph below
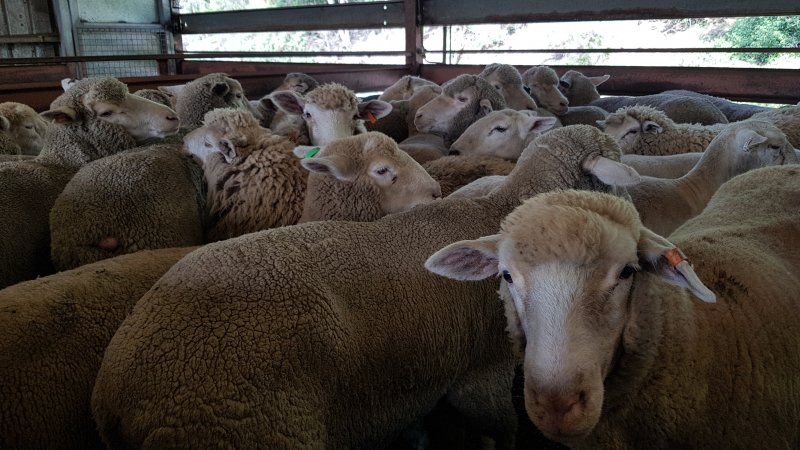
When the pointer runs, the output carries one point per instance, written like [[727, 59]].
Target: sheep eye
[[238, 95], [626, 273], [382, 170], [496, 86], [207, 144], [507, 277], [631, 132], [105, 114], [775, 147], [499, 129], [564, 84], [28, 127], [307, 115], [527, 89], [462, 99]]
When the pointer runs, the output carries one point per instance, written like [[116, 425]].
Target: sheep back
[[53, 332], [147, 198], [453, 172]]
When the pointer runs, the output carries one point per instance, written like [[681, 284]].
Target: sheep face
[[542, 83], [568, 261], [298, 82], [330, 112], [141, 118], [23, 126], [377, 169], [628, 130], [438, 115], [580, 89], [507, 81], [757, 144], [205, 140], [502, 134], [406, 87]]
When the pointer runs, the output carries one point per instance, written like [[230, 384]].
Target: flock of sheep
[[187, 268]]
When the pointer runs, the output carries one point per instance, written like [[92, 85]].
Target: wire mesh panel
[[121, 40]]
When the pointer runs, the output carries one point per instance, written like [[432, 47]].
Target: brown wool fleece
[[53, 332], [278, 338]]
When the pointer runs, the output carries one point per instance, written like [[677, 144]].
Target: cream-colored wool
[[263, 187], [665, 204], [333, 96], [279, 338], [8, 147], [453, 172], [53, 332], [22, 125], [656, 134], [507, 80], [579, 89], [145, 198], [786, 118], [681, 109], [733, 362], [208, 92], [66, 149]]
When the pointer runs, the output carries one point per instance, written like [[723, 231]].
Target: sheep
[[463, 100], [330, 111], [315, 322], [53, 332], [617, 354], [787, 119], [22, 125], [406, 87], [680, 108], [145, 198], [542, 83], [733, 111], [293, 81], [507, 80], [94, 118], [666, 166], [583, 115], [399, 123], [422, 147], [664, 205], [197, 97], [644, 130], [503, 134], [8, 148], [454, 172], [480, 187], [157, 96], [579, 89]]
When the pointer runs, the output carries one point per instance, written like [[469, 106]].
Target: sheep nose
[[565, 104], [454, 152]]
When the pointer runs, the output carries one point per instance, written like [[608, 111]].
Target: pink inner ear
[[470, 261]]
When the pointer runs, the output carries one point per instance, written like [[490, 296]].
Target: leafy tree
[[777, 31]]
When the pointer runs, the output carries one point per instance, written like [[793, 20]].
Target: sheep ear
[[63, 115], [378, 108], [597, 81], [611, 172], [67, 83], [227, 149], [267, 103], [746, 139], [337, 166], [5, 124], [664, 259], [541, 124], [651, 127], [486, 106], [220, 88], [289, 101], [466, 260]]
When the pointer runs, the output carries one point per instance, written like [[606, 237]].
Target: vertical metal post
[[412, 23]]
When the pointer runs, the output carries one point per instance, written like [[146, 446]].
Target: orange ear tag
[[371, 117], [674, 256]]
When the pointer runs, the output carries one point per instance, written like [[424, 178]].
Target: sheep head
[[330, 111], [568, 261], [629, 124], [579, 89], [542, 83], [23, 125], [508, 82], [230, 132], [503, 133], [107, 99]]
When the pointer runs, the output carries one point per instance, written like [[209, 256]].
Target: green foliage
[[779, 31]]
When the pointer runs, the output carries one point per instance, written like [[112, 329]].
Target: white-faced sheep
[[664, 205], [327, 321], [542, 83], [644, 130], [23, 125], [271, 116], [53, 332], [503, 134], [146, 198], [421, 146], [787, 119], [508, 82], [579, 89], [95, 118], [330, 111], [406, 87], [463, 100], [8, 147], [617, 352]]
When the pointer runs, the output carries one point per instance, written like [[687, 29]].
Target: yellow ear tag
[[311, 153], [371, 117]]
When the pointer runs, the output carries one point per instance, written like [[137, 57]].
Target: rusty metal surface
[[305, 18], [760, 85], [450, 12]]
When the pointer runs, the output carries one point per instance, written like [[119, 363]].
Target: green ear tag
[[311, 153], [402, 108]]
